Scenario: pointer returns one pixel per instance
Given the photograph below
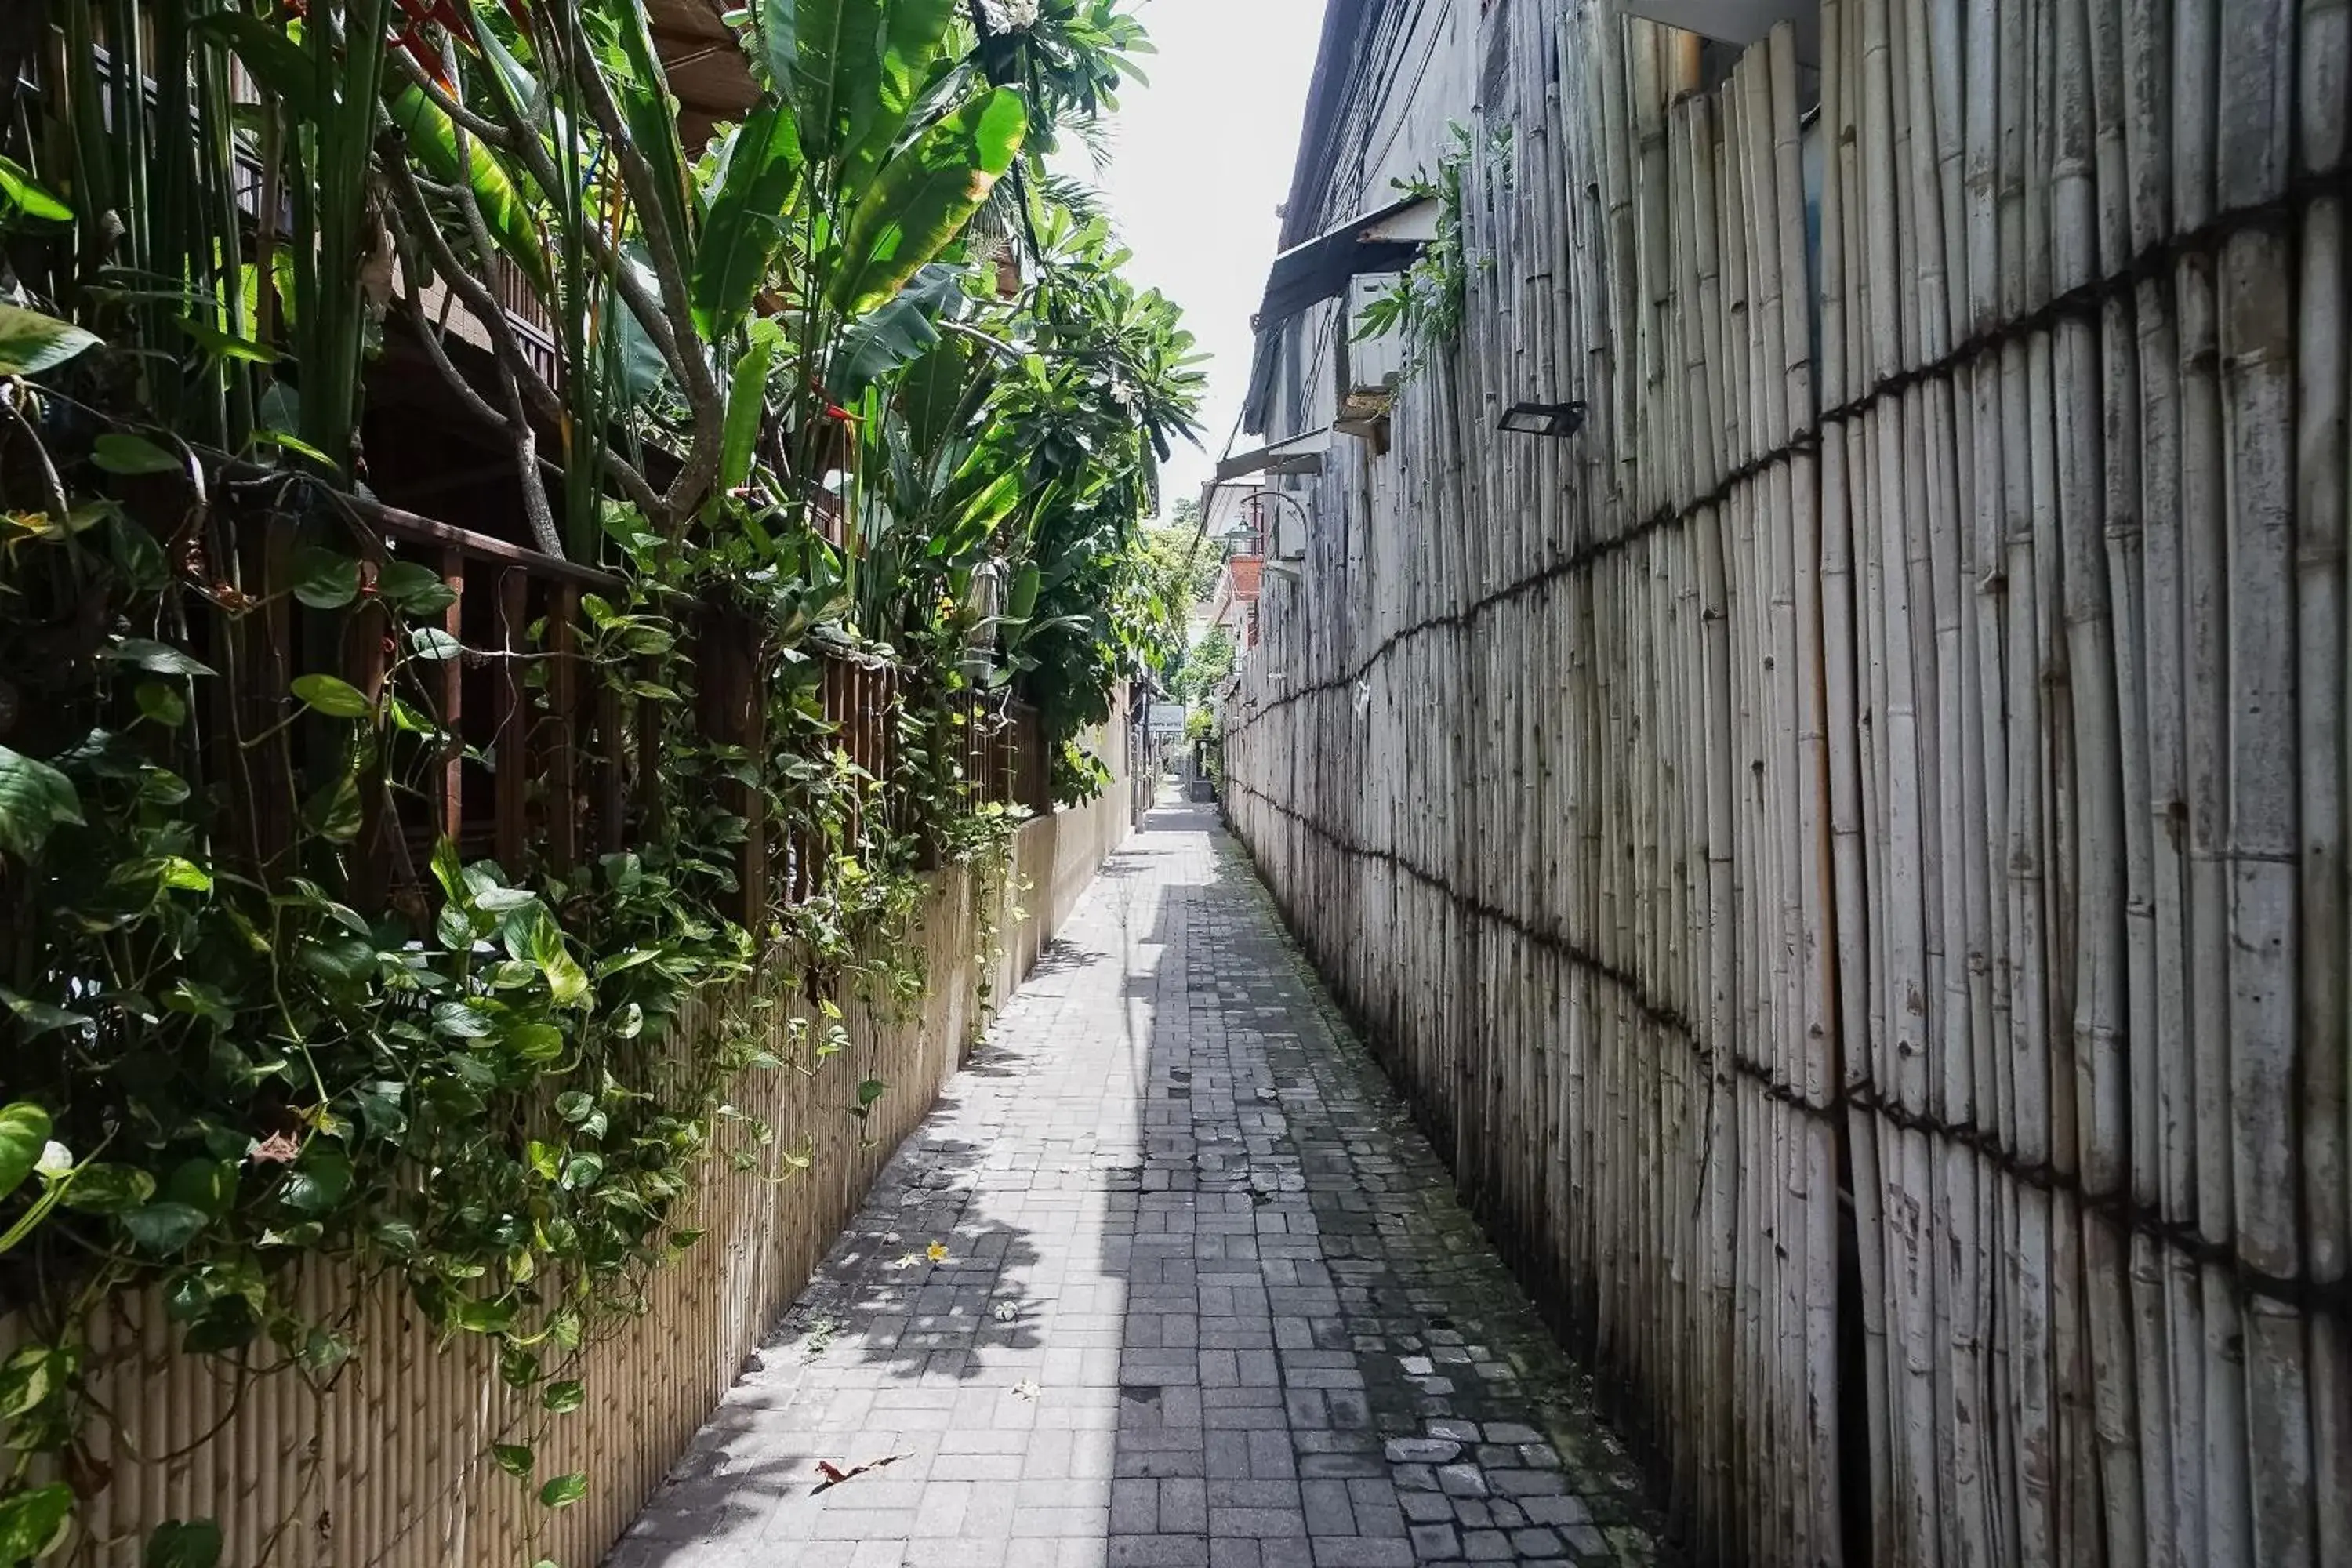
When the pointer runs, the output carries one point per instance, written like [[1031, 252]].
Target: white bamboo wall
[[391, 1467], [1847, 853]]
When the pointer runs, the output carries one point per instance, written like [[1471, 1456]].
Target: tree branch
[[704, 396], [470, 291], [525, 450], [502, 137], [633, 483], [521, 140]]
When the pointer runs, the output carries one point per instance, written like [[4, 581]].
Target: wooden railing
[[515, 748]]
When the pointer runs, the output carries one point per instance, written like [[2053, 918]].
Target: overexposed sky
[[1201, 159]]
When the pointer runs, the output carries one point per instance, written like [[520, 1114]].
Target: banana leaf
[[746, 220], [1023, 601], [522, 89], [913, 66], [977, 514], [637, 364], [434, 140], [923, 196], [878, 343], [747, 400], [826, 58], [941, 391], [653, 124]]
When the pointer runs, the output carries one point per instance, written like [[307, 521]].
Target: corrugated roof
[[1344, 23]]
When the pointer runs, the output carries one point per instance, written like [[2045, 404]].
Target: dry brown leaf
[[835, 1475]]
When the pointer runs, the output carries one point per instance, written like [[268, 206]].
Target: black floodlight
[[1558, 420]]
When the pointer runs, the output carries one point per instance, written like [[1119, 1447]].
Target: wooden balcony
[[517, 748]]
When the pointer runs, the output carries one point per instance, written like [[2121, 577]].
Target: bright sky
[[1202, 160]]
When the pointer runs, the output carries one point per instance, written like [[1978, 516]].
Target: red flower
[[427, 58], [457, 18]]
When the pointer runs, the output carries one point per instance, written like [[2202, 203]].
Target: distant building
[[1233, 605]]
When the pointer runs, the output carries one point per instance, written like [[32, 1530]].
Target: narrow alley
[[1167, 1279]]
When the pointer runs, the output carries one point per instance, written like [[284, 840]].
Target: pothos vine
[[498, 1089]]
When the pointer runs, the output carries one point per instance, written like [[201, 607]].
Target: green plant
[[1424, 304], [225, 1060], [1206, 665]]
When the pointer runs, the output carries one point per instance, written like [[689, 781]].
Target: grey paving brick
[[1435, 1542], [1209, 1300], [1134, 1507], [1355, 1552], [1158, 1552], [1329, 1512]]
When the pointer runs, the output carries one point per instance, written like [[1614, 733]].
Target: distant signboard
[[1165, 718]]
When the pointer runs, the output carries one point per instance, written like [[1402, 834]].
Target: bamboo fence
[[1847, 853], [391, 1466]]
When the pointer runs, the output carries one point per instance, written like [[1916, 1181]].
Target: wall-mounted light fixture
[[1558, 420]]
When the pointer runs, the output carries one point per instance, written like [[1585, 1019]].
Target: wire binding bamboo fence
[[1848, 852]]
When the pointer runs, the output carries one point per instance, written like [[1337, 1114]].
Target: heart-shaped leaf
[[414, 589], [536, 1042], [109, 1189], [24, 1133], [120, 454], [160, 657], [34, 799], [164, 1228], [325, 580], [320, 1180], [31, 1375], [35, 1522], [31, 342], [432, 644], [335, 698]]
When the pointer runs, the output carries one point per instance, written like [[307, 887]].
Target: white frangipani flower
[[1010, 15]]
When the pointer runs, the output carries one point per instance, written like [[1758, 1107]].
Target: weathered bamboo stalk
[[1949, 813]]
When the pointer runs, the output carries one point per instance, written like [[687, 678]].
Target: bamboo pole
[[1967, 685]]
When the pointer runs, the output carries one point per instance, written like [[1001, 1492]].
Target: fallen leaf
[[835, 1475]]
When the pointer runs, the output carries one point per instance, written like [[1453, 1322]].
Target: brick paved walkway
[[1206, 1299]]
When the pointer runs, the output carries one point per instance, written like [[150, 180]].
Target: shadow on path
[[1167, 1279]]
